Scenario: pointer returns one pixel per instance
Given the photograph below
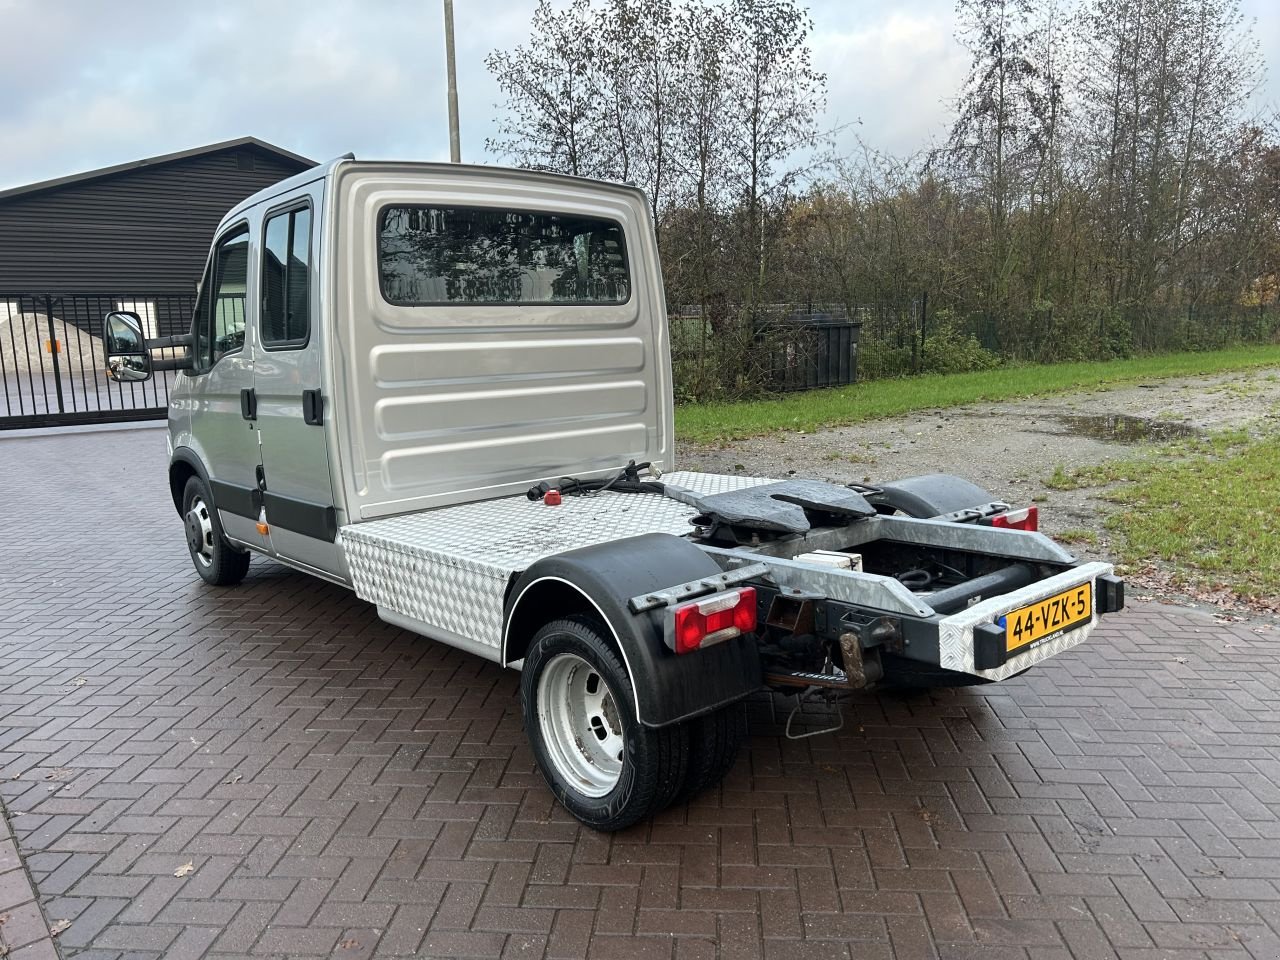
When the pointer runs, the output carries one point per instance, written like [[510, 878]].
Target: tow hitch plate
[[1045, 619]]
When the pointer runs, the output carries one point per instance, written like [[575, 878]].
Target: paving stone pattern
[[24, 934], [341, 788]]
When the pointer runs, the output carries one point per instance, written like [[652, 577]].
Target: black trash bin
[[816, 350]]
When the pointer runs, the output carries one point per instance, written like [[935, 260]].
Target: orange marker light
[[263, 529]]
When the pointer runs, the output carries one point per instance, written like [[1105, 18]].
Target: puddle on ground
[[1123, 428]]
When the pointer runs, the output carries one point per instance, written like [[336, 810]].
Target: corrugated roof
[[303, 162]]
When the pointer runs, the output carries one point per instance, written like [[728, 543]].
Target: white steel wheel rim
[[580, 725], [200, 532]]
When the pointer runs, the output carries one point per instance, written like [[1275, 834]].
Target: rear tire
[[216, 561], [601, 763], [714, 741]]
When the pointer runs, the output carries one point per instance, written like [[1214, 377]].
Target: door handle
[[249, 403], [313, 407]]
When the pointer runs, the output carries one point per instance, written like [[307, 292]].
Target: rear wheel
[[215, 560], [714, 740], [607, 769]]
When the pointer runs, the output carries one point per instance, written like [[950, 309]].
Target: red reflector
[[710, 620], [1028, 518]]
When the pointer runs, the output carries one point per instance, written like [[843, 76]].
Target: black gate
[[52, 370], [814, 350]]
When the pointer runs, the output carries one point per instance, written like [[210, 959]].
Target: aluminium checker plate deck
[[449, 568]]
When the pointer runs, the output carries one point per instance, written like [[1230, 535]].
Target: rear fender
[[598, 582], [931, 495]]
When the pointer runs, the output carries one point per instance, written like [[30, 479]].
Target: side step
[[828, 681], [865, 671]]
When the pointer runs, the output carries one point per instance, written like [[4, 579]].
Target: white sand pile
[[24, 345]]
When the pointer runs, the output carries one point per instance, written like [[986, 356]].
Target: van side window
[[443, 255], [220, 316], [286, 279], [200, 323]]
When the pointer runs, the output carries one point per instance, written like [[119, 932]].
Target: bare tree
[[1102, 188], [774, 100], [994, 136], [1163, 111], [552, 85]]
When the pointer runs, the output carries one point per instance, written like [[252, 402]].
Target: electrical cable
[[627, 480]]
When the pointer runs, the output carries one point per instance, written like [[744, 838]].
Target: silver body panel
[[220, 436], [445, 404], [295, 454]]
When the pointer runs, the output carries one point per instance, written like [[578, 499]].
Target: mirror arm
[[178, 340], [172, 363]]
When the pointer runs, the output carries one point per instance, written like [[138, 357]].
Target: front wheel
[[215, 560], [607, 769]]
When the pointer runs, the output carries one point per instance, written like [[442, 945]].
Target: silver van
[[449, 388]]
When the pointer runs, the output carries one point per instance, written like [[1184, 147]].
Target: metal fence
[[780, 347], [52, 369]]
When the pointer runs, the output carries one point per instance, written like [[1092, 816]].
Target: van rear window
[[441, 255]]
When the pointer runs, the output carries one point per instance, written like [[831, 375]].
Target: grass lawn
[[1210, 509], [816, 409]]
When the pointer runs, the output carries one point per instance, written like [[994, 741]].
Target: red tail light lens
[[1028, 518], [714, 619]]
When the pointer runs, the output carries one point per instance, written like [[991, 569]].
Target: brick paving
[[341, 788], [24, 934]]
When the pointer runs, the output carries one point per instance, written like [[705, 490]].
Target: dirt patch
[[1012, 447]]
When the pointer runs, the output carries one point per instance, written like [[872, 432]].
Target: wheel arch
[[598, 581], [182, 467], [538, 603]]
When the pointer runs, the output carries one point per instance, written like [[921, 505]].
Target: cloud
[[86, 84], [893, 75], [143, 78]]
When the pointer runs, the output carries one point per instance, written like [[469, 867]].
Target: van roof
[[284, 186], [324, 170]]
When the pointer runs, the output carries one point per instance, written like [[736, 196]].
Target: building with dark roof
[[135, 228]]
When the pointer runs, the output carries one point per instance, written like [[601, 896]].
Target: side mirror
[[125, 347]]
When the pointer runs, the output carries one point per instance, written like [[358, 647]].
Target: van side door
[[220, 386], [298, 491]]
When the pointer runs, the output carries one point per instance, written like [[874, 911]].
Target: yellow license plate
[[1048, 619]]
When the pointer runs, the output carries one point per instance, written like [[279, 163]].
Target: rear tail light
[[1028, 518], [711, 620]]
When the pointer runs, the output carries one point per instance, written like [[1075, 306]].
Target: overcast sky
[[85, 84]]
